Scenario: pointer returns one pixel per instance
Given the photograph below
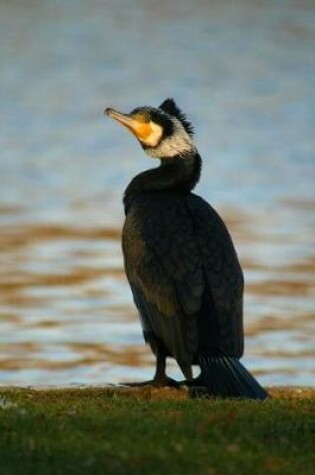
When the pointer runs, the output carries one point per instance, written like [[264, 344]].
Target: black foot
[[196, 382], [157, 383]]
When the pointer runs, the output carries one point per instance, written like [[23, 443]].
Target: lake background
[[244, 73]]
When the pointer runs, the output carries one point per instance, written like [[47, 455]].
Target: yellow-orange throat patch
[[141, 129]]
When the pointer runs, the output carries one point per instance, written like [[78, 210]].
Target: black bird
[[180, 261]]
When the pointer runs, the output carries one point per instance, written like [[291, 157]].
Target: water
[[244, 72]]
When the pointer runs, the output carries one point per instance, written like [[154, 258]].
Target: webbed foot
[[157, 383], [195, 382]]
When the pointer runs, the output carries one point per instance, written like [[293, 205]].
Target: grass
[[97, 431]]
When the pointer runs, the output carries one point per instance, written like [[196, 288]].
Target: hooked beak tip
[[124, 119], [108, 111]]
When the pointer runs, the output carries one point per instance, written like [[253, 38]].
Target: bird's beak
[[138, 127]]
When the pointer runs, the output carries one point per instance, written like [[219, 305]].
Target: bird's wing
[[223, 273]]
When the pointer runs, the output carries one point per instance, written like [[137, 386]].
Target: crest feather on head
[[170, 107]]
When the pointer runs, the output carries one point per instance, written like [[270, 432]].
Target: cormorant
[[183, 270]]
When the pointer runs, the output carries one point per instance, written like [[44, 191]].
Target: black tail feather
[[226, 377]]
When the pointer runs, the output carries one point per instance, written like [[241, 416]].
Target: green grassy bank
[[99, 431]]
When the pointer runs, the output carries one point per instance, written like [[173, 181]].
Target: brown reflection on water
[[88, 354], [273, 324], [275, 287], [16, 236]]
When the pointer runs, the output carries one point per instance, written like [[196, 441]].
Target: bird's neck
[[174, 174]]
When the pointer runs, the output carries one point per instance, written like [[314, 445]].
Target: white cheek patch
[[179, 143], [154, 137]]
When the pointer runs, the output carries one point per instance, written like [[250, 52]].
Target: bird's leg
[[160, 374], [160, 379], [186, 370]]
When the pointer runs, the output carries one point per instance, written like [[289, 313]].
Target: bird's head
[[163, 132]]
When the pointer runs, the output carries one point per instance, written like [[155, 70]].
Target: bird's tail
[[226, 377]]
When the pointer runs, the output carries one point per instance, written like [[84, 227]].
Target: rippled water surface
[[244, 72]]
